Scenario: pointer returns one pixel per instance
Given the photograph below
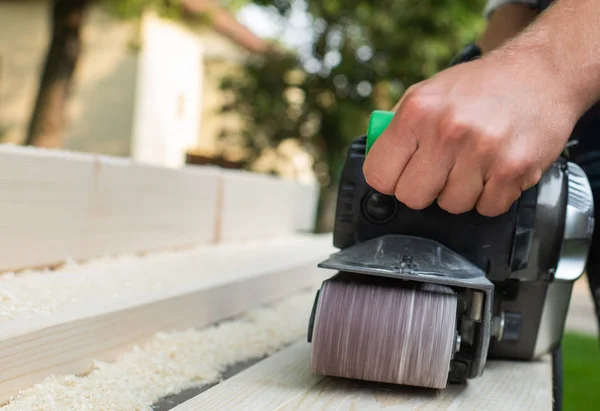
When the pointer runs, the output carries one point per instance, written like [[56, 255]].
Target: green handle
[[377, 123]]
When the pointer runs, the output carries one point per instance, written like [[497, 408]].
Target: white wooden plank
[[57, 205], [140, 208], [43, 203], [284, 382], [305, 206], [256, 205], [265, 386], [120, 304], [172, 362]]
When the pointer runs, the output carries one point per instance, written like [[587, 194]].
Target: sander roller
[[424, 298]]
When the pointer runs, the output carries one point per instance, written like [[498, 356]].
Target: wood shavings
[[76, 287], [171, 362]]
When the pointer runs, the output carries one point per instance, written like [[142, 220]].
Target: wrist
[[570, 81], [536, 61], [559, 48]]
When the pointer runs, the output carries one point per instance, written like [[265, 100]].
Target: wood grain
[[100, 328], [284, 382], [57, 205], [267, 385], [262, 205]]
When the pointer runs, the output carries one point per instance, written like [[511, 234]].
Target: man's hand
[[478, 134], [473, 136]]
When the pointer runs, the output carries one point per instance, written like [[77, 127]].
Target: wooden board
[[57, 205], [219, 282], [305, 207], [261, 205], [284, 382], [142, 208]]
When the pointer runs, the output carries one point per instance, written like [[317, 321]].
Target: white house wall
[[101, 109], [101, 103], [167, 101]]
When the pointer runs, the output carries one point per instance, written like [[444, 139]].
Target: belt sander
[[424, 298]]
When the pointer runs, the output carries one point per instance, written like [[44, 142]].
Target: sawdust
[[171, 362], [118, 281]]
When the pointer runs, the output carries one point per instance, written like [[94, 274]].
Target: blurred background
[[278, 87]]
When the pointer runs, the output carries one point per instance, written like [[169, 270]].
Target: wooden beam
[[57, 205], [255, 205], [153, 293], [305, 207], [284, 382]]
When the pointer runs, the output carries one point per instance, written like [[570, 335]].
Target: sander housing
[[511, 275]]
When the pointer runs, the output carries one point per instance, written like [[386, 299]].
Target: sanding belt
[[586, 153]]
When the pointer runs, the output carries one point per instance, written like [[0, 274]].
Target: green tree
[[363, 55], [46, 126], [47, 120]]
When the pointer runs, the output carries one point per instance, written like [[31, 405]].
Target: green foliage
[[133, 8], [363, 56], [234, 5]]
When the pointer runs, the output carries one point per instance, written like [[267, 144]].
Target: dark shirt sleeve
[[492, 5]]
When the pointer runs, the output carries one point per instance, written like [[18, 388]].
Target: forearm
[[506, 22], [563, 43]]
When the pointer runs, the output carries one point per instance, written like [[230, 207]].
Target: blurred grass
[[581, 362]]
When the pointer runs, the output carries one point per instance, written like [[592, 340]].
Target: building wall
[[127, 102], [23, 39], [101, 105], [187, 45], [168, 103]]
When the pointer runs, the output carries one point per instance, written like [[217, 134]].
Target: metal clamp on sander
[[425, 297]]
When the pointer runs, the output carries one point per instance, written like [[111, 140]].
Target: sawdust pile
[[117, 281], [171, 362]]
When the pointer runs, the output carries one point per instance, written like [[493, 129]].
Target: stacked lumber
[[61, 205], [173, 365], [106, 252]]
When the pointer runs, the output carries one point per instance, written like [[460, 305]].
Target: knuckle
[[417, 204], [532, 178], [453, 127], [414, 90], [514, 168], [416, 105], [490, 210], [376, 182], [493, 204], [412, 201], [488, 144], [453, 207]]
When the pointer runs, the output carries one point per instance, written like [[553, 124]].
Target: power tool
[[426, 297]]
